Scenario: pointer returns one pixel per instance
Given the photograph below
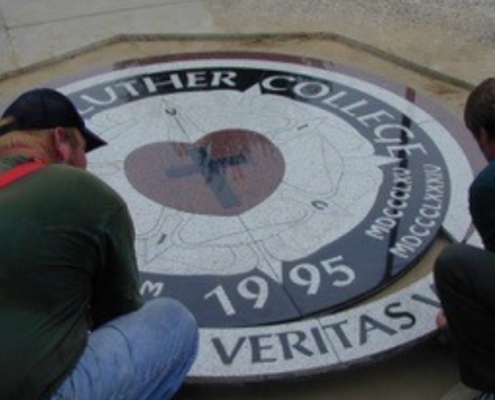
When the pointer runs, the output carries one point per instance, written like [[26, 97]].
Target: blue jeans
[[144, 355]]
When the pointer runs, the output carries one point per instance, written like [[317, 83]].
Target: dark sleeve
[[116, 286], [482, 208]]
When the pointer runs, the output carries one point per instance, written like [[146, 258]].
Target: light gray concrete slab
[[31, 12], [8, 60], [449, 36], [444, 35], [41, 42]]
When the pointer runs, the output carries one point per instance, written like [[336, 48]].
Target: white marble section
[[365, 332], [263, 352], [300, 348]]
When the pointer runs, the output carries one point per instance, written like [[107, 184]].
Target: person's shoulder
[[484, 181], [487, 175], [63, 171], [77, 180]]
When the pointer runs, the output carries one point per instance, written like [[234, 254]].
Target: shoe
[[484, 396]]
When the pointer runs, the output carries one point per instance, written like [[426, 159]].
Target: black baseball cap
[[44, 109]]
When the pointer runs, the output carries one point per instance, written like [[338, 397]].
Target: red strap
[[18, 172]]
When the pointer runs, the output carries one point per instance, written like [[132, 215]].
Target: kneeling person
[[72, 321]]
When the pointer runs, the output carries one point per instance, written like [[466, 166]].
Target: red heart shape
[[225, 173]]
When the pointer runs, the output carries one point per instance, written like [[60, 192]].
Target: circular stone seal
[[271, 194]]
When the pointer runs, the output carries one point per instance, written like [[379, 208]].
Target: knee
[[451, 261], [172, 320], [449, 256], [171, 312], [170, 317]]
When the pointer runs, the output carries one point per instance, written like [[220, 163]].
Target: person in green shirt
[[465, 275], [72, 322]]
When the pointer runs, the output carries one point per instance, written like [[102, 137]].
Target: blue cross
[[212, 171]]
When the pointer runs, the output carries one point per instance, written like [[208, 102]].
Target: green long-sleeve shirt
[[66, 254]]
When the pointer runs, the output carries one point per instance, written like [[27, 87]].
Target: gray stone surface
[[224, 262]]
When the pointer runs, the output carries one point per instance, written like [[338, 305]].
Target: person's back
[[72, 322], [57, 228]]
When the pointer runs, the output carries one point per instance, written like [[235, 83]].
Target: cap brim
[[92, 140]]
